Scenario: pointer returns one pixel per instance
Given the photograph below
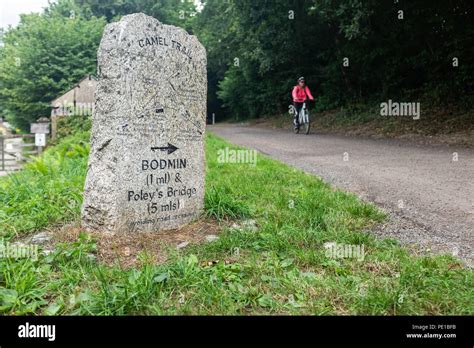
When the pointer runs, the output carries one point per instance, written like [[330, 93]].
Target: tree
[[48, 53], [258, 49], [176, 12], [41, 58], [256, 52]]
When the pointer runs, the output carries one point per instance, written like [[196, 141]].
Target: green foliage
[[47, 190], [220, 203], [255, 55], [388, 57], [43, 57], [176, 12], [71, 125]]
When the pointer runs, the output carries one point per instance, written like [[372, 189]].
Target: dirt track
[[428, 194]]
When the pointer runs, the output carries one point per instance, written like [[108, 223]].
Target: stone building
[[79, 100]]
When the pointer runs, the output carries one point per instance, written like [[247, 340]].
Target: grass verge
[[281, 267]]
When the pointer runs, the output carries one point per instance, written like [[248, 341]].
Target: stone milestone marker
[[146, 165]]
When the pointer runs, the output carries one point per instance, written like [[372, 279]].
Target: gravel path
[[428, 194]]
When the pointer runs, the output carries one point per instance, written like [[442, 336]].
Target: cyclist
[[300, 93]]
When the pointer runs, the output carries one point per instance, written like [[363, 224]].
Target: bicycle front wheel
[[306, 127]]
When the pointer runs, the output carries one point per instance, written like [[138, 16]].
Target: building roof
[[87, 77]]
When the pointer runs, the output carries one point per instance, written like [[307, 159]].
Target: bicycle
[[303, 118]]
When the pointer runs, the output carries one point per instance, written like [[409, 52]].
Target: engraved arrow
[[170, 148]]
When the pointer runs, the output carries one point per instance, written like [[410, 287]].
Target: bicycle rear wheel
[[296, 129]]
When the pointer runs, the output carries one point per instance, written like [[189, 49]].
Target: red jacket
[[300, 94]]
